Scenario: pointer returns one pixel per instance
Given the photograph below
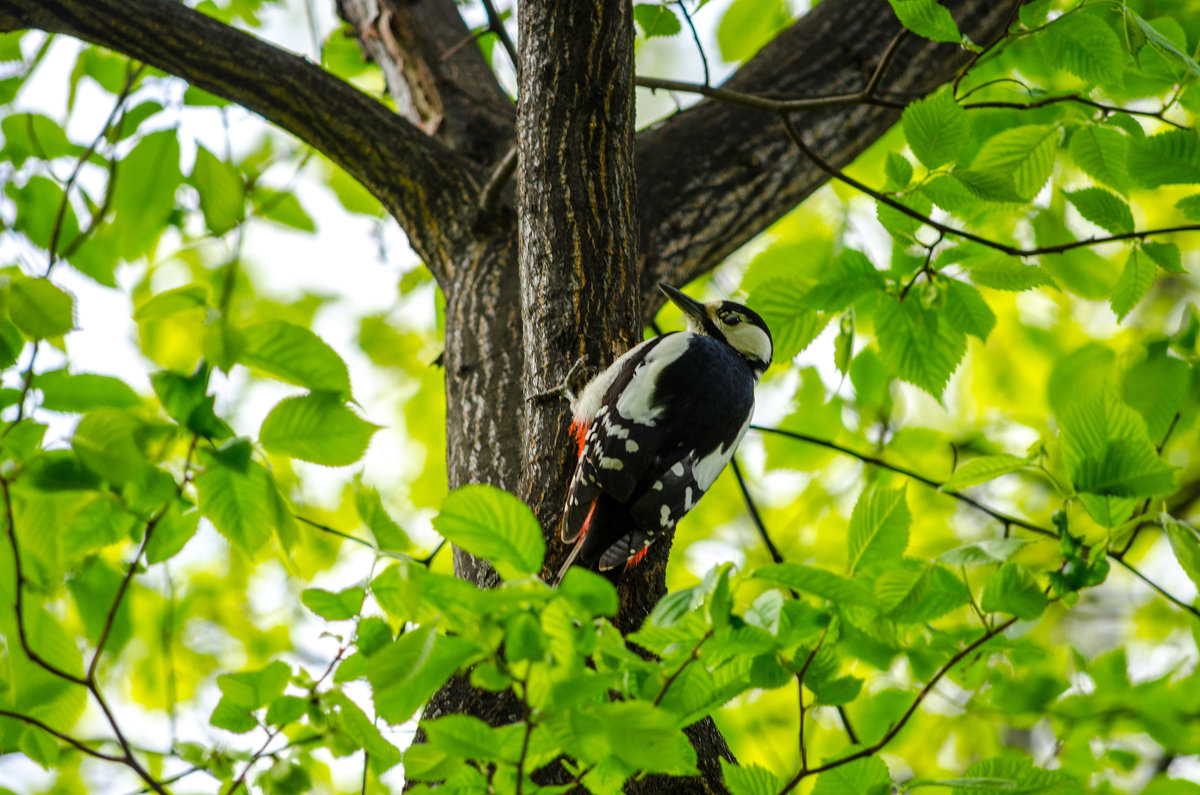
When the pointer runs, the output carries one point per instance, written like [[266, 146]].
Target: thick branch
[[715, 175], [422, 183], [436, 73]]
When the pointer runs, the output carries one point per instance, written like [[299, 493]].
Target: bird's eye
[[731, 318]]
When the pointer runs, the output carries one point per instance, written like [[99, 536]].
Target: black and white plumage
[[657, 427]]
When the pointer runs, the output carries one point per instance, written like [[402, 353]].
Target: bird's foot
[[561, 390]]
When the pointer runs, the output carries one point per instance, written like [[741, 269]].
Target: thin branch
[[240, 781], [695, 655], [1133, 535], [496, 25], [1081, 100], [757, 102], [1014, 251], [885, 62], [489, 197], [891, 733], [754, 515], [930, 482], [696, 38], [979, 54], [66, 738]]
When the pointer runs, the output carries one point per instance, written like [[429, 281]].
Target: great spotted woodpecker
[[656, 428]]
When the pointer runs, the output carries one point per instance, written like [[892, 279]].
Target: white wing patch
[[636, 402], [587, 403]]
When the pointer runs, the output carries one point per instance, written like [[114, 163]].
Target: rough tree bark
[[565, 263]]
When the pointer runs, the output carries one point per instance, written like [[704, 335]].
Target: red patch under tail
[[636, 557], [579, 431]]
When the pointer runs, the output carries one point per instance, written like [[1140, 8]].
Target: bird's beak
[[690, 306]]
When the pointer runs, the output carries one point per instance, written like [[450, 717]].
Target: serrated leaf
[[169, 302], [781, 302], [850, 276], [1156, 387], [186, 400], [255, 689], [106, 441], [1138, 30], [989, 185], [222, 193], [878, 528], [1013, 589], [967, 310], [1083, 45], [898, 170], [1190, 206], [746, 779], [1027, 153], [927, 18], [318, 427], [1185, 543], [1107, 450], [916, 346], [333, 605], [296, 355], [982, 469], [1169, 158], [495, 525], [866, 776], [240, 504], [79, 392], [1106, 210], [936, 129], [388, 534], [1134, 282], [40, 309], [1165, 255], [819, 582], [1009, 274], [1101, 152], [656, 19], [1017, 768]]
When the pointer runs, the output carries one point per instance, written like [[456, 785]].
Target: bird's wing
[[621, 447]]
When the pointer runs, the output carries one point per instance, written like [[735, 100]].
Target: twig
[[324, 528], [696, 38], [1146, 505], [767, 104], [885, 62], [695, 655], [977, 55], [496, 25], [1014, 251], [891, 733], [489, 197], [240, 781], [66, 738], [1041, 103], [754, 515]]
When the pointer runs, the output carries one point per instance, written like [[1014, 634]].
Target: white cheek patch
[[750, 340]]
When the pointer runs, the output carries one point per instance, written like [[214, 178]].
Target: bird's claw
[[563, 388]]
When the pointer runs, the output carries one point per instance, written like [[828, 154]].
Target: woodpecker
[[656, 428]]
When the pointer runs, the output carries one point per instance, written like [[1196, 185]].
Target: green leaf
[[781, 302], [1146, 32], [173, 531], [144, 196], [1009, 274], [656, 19], [900, 224], [1134, 282], [927, 18], [170, 302], [849, 277], [817, 581], [29, 135], [966, 309], [186, 400], [936, 129], [331, 605], [222, 194], [901, 585], [495, 525], [106, 441], [747, 779], [1027, 153], [1185, 543], [1190, 206], [1013, 589], [593, 591], [1083, 45], [1101, 152], [866, 776], [1107, 450], [1157, 387], [39, 309], [637, 733], [406, 672], [318, 427], [994, 186], [878, 528], [465, 736], [748, 25], [296, 355], [1165, 255], [240, 504], [254, 689], [82, 392], [916, 346], [898, 170], [1106, 210], [982, 469], [1029, 779], [282, 208], [1169, 158], [388, 534]]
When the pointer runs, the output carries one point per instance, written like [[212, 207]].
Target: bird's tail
[[567, 563]]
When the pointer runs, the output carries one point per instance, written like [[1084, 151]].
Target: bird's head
[[737, 326]]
